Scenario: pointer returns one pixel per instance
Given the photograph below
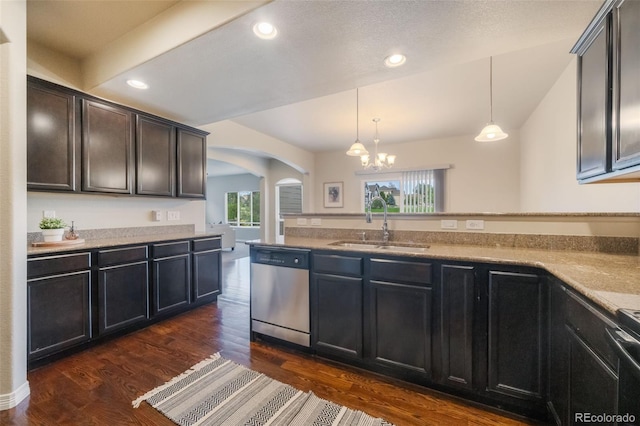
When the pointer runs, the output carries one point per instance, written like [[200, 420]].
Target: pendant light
[[357, 149], [491, 132]]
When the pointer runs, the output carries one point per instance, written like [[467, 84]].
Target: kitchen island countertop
[[610, 281]]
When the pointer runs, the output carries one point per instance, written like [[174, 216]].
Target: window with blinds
[[412, 191]]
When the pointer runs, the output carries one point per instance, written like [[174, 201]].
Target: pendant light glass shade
[[357, 149], [491, 132]]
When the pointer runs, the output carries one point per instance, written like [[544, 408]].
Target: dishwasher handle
[[621, 342]]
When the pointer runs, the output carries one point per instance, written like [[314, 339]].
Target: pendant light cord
[[357, 115], [491, 89]]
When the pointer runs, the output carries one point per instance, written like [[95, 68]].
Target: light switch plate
[[316, 221], [475, 224], [173, 215], [49, 214], [301, 221], [448, 224]]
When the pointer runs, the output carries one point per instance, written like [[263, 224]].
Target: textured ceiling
[[300, 87]]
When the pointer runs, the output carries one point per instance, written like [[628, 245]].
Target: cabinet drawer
[[170, 249], [336, 264], [401, 271], [207, 244], [590, 325], [59, 264], [121, 255]]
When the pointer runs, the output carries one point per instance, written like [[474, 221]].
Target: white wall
[[548, 160], [484, 177], [104, 211], [13, 204]]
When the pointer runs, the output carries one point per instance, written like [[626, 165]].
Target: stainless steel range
[[280, 294]]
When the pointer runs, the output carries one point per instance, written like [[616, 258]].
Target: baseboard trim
[[10, 400]]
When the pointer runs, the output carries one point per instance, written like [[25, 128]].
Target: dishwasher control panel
[[288, 258]]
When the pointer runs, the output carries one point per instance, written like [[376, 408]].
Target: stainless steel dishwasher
[[280, 293]]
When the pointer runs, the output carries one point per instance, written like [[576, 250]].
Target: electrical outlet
[[301, 221], [49, 214], [475, 224], [173, 215], [449, 224], [316, 221], [156, 215]]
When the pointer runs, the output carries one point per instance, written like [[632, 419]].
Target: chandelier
[[380, 160]]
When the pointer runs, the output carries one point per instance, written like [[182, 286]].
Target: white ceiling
[[300, 87]]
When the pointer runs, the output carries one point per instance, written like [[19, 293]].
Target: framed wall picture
[[333, 194]]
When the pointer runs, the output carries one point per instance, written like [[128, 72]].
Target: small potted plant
[[52, 228]]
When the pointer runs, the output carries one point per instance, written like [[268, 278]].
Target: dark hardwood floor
[[96, 386]]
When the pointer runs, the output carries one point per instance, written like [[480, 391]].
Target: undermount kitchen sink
[[408, 249], [400, 247]]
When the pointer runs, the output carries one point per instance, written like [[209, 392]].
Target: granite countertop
[[610, 281], [120, 241]]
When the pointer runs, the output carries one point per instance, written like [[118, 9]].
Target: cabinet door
[[206, 275], [457, 302], [106, 148], [58, 312], [155, 157], [626, 30], [50, 139], [593, 385], [192, 164], [516, 335], [336, 312], [594, 105], [171, 283], [558, 354], [123, 297], [401, 326]]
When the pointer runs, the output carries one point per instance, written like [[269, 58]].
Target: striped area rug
[[217, 391]]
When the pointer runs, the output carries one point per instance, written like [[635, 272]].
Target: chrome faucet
[[385, 227]]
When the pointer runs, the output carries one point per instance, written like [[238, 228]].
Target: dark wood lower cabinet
[[59, 313], [516, 335], [400, 317], [206, 275], [171, 283], [457, 301], [593, 385], [337, 315], [123, 296]]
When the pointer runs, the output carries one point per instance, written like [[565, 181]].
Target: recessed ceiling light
[[265, 30], [395, 60], [137, 84]]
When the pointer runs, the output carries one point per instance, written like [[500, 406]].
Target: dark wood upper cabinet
[[107, 135], [608, 92], [79, 143], [626, 95], [192, 164], [594, 104], [155, 157], [51, 135]]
